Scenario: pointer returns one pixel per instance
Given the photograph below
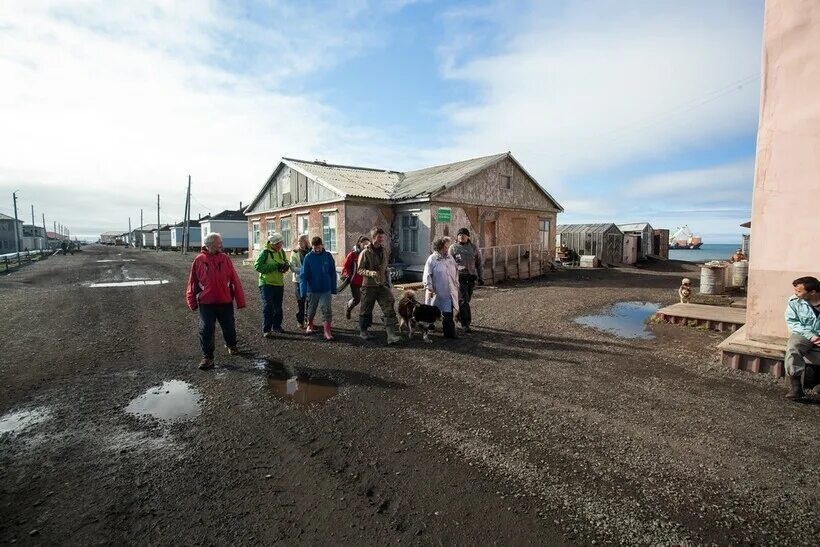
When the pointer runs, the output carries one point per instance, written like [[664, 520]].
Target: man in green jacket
[[803, 321], [272, 264], [376, 288]]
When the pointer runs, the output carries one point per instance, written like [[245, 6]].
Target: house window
[[329, 231], [284, 229], [257, 236], [506, 181], [410, 233], [271, 227], [544, 232], [303, 225]]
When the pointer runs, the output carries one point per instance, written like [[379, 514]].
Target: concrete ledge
[[741, 353], [717, 318]]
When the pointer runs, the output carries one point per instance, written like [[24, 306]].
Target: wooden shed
[[646, 234], [605, 241], [661, 243]]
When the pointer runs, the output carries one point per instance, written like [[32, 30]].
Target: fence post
[[494, 249], [506, 261], [529, 262], [518, 260]]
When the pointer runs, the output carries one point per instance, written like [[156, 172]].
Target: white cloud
[[596, 85], [125, 102], [733, 180]]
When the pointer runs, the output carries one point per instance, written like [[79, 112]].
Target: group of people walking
[[450, 275]]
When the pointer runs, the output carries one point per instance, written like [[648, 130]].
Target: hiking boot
[[364, 335], [393, 336], [268, 335], [206, 364], [233, 350], [310, 328], [796, 389], [280, 330], [348, 311], [467, 328]]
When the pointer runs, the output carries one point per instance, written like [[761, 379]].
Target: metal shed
[[605, 241], [645, 232]]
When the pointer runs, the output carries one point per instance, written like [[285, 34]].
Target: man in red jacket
[[212, 287]]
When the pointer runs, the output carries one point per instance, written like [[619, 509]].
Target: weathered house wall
[[363, 216], [424, 235], [296, 214]]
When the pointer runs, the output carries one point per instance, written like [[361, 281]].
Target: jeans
[[320, 300], [209, 314], [300, 305], [384, 296], [271, 306], [797, 348], [466, 284]]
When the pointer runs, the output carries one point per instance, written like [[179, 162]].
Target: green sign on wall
[[444, 214]]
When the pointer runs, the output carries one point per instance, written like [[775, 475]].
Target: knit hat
[[464, 232], [275, 238]]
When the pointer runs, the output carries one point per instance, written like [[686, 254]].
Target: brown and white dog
[[685, 290], [414, 314]]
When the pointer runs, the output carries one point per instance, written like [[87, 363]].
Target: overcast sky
[[623, 110]]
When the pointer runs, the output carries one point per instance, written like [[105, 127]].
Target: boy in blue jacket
[[318, 284]]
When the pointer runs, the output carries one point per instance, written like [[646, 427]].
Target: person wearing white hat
[[272, 264]]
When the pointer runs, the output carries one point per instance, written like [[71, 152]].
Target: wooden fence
[[514, 262]]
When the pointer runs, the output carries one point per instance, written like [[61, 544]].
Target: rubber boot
[[310, 328], [393, 337], [206, 363], [328, 334], [796, 389]]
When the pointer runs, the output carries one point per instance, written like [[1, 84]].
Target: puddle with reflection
[[15, 422], [133, 283], [624, 320], [172, 401], [299, 388], [116, 260]]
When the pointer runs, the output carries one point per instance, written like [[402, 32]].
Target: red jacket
[[213, 280], [349, 266]]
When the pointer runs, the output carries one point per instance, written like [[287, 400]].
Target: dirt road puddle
[[624, 320], [299, 389], [172, 401], [133, 283], [15, 422]]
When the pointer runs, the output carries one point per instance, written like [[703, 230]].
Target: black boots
[[796, 388]]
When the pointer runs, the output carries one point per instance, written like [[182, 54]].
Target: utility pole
[[129, 232], [16, 234], [142, 227], [157, 241], [45, 233], [186, 232]]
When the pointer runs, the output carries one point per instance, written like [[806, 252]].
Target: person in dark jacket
[[318, 283], [297, 256], [212, 288], [470, 271], [376, 285], [350, 271]]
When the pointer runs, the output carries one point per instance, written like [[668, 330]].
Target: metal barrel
[[712, 279]]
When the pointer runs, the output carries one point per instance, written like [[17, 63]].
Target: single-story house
[[494, 197], [194, 235], [232, 225], [110, 238], [603, 241], [8, 241], [34, 238], [161, 236]]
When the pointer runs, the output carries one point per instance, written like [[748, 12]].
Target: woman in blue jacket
[[318, 283]]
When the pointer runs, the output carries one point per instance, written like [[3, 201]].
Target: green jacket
[[800, 318], [268, 264]]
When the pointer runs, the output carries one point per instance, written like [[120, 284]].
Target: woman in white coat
[[440, 280]]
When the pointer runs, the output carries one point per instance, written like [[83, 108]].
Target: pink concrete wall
[[785, 216]]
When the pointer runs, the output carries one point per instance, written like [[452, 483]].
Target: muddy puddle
[[130, 283], [15, 422], [116, 260], [172, 401], [299, 389], [624, 320]]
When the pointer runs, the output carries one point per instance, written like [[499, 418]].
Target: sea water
[[708, 251]]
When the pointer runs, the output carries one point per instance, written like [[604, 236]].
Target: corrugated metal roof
[[585, 228], [227, 214], [6, 217], [348, 180], [426, 181], [634, 227]]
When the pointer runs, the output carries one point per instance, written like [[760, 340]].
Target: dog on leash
[[685, 291], [414, 314]]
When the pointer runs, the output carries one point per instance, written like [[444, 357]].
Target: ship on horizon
[[684, 239]]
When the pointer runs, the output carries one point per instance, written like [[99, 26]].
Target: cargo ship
[[683, 239]]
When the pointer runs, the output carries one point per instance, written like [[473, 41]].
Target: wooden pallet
[[717, 318]]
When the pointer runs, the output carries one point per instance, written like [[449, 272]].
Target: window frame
[[285, 233], [330, 233], [256, 237], [306, 231], [409, 233], [502, 178]]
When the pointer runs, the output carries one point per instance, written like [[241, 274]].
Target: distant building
[[232, 225], [645, 234], [34, 238], [493, 196], [8, 227], [194, 235], [111, 238]]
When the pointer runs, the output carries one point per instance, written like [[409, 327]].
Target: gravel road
[[532, 429]]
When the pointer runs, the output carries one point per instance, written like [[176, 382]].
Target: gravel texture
[[532, 429]]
